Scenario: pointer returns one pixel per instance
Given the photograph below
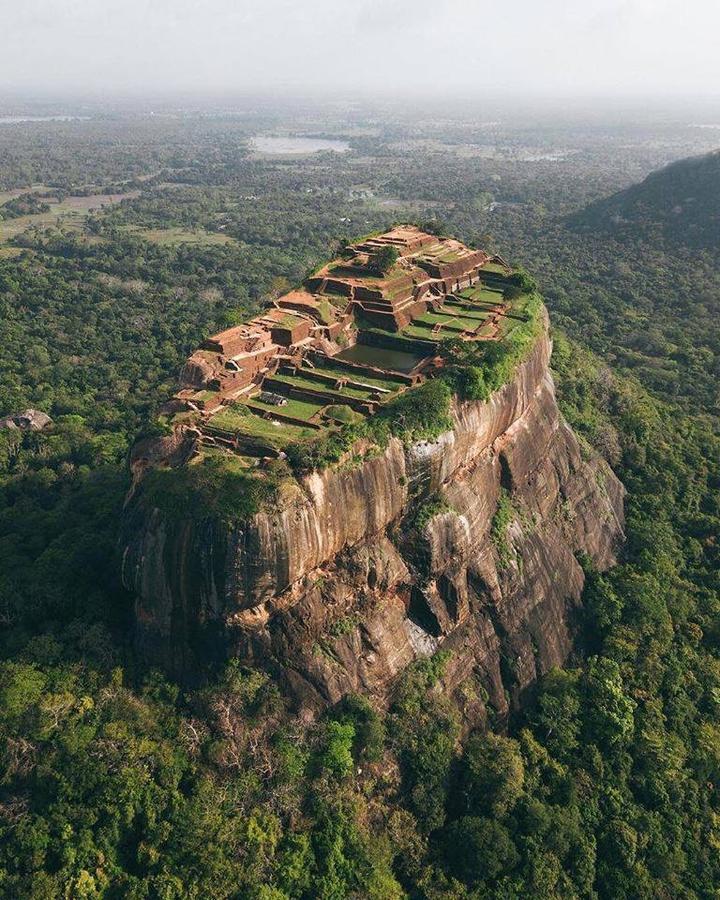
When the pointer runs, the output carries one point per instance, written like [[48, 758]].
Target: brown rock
[[336, 592]]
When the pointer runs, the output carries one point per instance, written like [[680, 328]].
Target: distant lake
[[13, 120], [297, 145]]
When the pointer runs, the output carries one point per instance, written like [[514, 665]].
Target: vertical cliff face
[[468, 543]]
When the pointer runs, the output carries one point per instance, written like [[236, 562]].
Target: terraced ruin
[[373, 468], [358, 332]]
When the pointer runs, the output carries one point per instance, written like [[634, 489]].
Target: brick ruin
[[428, 270], [339, 304]]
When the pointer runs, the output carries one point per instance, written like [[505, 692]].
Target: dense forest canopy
[[118, 783]]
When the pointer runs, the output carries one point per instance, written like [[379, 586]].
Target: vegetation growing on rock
[[118, 782]]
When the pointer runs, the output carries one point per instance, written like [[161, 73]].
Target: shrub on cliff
[[419, 414], [475, 369], [321, 452], [468, 382], [504, 514], [435, 227], [215, 488], [369, 728], [384, 259], [523, 280]]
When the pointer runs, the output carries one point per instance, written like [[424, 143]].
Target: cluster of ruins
[[350, 301], [28, 420]]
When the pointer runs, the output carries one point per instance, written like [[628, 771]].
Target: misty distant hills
[[679, 203]]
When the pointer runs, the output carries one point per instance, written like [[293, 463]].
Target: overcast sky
[[632, 47]]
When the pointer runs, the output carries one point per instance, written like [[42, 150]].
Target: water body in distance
[[14, 120], [289, 145]]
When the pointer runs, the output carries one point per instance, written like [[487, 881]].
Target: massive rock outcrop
[[469, 543]]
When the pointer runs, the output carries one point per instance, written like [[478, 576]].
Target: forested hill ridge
[[371, 472], [679, 203]]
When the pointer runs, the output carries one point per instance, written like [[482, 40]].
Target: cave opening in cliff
[[420, 613]]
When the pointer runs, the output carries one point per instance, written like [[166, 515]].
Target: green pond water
[[382, 357]]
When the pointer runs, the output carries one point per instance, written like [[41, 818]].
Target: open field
[[12, 193], [170, 236], [278, 434], [70, 213], [424, 332], [468, 308], [495, 268], [458, 319], [417, 331], [466, 312], [319, 384], [447, 325], [9, 195], [374, 380], [292, 145], [482, 295], [304, 410]]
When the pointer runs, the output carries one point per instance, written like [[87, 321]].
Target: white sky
[[632, 47]]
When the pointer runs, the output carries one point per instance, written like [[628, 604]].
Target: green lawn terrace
[[359, 331], [297, 402], [477, 312]]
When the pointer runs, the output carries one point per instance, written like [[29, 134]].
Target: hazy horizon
[[625, 49]]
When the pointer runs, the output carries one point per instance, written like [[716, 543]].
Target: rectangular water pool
[[390, 359]]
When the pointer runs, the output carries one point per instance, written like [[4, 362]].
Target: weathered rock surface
[[28, 420], [337, 591]]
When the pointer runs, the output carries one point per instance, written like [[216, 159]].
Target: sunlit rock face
[[342, 585]]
